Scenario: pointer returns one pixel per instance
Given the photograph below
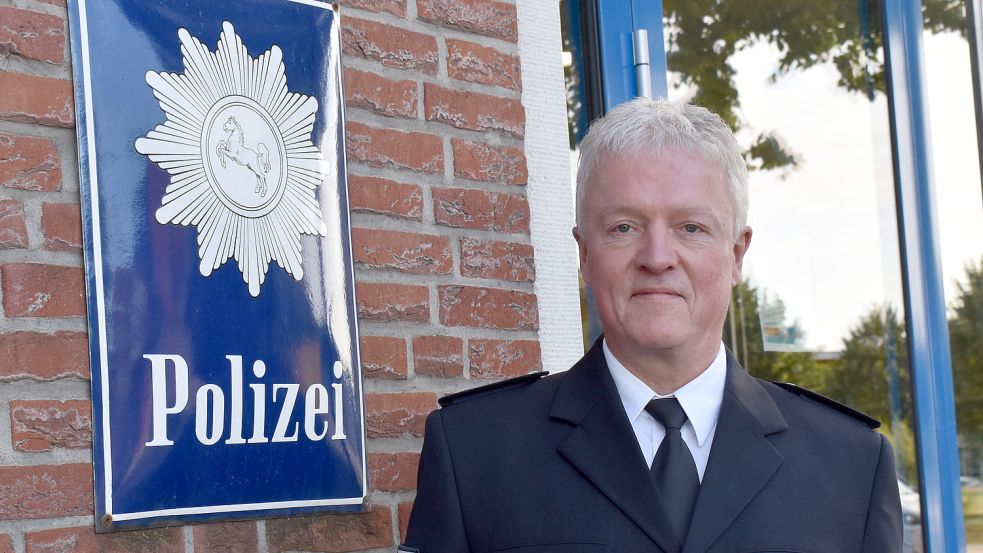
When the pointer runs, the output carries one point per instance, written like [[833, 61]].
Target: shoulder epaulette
[[819, 398], [491, 388]]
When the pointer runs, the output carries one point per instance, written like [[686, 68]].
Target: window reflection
[[955, 161], [821, 305]]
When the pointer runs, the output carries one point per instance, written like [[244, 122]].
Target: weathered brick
[[377, 93], [474, 111], [375, 195], [332, 533], [29, 163], [484, 162], [36, 290], [32, 35], [13, 225], [394, 149], [226, 537], [478, 209], [41, 425], [392, 302], [403, 513], [395, 7], [389, 45], [497, 260], [30, 99], [43, 356], [45, 491], [392, 415], [383, 357], [406, 252], [6, 545], [393, 472], [85, 540], [441, 356], [480, 307], [467, 61], [485, 17], [503, 358], [62, 227]]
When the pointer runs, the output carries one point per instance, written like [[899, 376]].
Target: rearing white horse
[[234, 148]]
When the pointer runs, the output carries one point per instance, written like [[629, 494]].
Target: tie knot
[[667, 411]]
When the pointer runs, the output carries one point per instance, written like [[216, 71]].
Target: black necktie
[[673, 469]]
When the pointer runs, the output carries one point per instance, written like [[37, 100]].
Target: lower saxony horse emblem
[[237, 145]]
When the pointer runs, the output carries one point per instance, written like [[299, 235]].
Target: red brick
[[226, 537], [35, 290], [389, 45], [6, 546], [377, 93], [497, 260], [403, 513], [13, 225], [394, 149], [29, 163], [392, 415], [487, 308], [484, 162], [85, 540], [43, 356], [406, 252], [441, 356], [478, 209], [332, 533], [393, 472], [392, 302], [41, 425], [395, 7], [375, 195], [45, 491], [30, 99], [32, 35], [485, 17], [474, 111], [467, 61], [62, 227], [383, 357], [503, 358]]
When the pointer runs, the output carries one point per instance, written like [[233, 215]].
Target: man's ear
[[741, 246], [582, 253]]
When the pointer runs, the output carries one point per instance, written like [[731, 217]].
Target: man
[[657, 440]]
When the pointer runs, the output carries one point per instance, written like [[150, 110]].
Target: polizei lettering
[[168, 371]]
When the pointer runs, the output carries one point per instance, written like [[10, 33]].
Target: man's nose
[[657, 250]]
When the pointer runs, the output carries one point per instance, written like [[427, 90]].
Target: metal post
[[927, 326]]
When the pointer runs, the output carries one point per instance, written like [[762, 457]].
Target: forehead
[[671, 178]]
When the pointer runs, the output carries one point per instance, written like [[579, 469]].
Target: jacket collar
[[604, 449]]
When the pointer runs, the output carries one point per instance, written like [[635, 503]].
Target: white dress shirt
[[700, 398]]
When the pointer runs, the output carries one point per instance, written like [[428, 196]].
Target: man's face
[[657, 247]]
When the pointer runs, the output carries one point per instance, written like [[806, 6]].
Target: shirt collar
[[700, 397]]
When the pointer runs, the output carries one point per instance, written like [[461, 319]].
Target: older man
[[657, 440]]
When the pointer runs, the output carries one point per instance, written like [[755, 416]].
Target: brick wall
[[441, 237]]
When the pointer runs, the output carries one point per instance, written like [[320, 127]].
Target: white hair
[[655, 126]]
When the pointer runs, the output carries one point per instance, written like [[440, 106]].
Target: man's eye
[[623, 228], [691, 228]]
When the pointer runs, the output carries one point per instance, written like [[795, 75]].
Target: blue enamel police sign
[[223, 339]]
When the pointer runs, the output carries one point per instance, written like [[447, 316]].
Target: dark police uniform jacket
[[551, 465]]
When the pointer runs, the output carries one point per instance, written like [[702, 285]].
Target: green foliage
[[966, 343], [703, 35]]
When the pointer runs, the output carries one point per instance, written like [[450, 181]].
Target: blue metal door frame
[[928, 332], [927, 327]]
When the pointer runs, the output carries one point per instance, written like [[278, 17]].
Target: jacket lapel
[[603, 447], [742, 458]]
